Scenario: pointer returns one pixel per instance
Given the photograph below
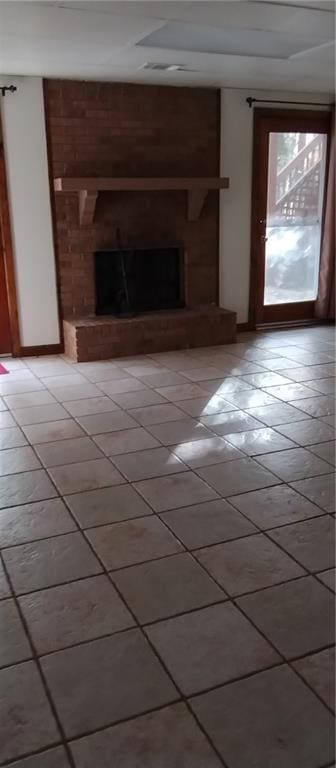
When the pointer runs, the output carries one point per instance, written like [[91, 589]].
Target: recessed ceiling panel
[[179, 36]]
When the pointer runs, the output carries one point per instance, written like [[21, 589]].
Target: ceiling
[[268, 44]]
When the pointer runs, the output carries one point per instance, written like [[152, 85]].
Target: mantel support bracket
[[87, 206], [196, 198]]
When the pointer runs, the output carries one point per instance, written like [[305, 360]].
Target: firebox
[[138, 280]]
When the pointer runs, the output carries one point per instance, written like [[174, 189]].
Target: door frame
[[264, 122], [7, 248]]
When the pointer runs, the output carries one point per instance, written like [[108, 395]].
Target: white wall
[[23, 124], [235, 203]]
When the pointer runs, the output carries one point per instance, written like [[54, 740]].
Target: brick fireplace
[[126, 130]]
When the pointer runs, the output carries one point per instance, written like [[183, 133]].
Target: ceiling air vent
[[162, 67]]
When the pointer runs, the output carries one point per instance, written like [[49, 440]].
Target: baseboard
[[286, 325], [242, 327], [42, 349]]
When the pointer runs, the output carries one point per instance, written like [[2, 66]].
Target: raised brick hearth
[[126, 130], [99, 338]]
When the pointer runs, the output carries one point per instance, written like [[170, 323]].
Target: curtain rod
[[251, 101]]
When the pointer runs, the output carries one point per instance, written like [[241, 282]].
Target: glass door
[[290, 215]]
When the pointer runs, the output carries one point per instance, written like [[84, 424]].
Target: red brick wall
[[104, 129]]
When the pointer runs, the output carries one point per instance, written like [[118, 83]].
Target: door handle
[[263, 238]]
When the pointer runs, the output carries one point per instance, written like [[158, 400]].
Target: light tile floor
[[167, 557]]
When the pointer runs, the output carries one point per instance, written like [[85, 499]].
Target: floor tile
[[307, 432], [295, 464], [226, 423], [237, 477], [270, 719], [203, 524], [248, 564], [16, 460], [320, 490], [138, 367], [74, 613], [79, 392], [251, 399], [146, 743], [128, 384], [166, 587], [40, 413], [53, 367], [71, 379], [272, 415], [131, 542], [33, 726], [85, 476], [198, 651], [98, 372], [290, 391], [311, 543], [324, 405], [204, 373], [53, 758], [328, 578], [14, 643], [20, 387], [319, 672], [29, 565], [4, 586], [282, 364], [226, 386], [248, 352], [37, 520], [157, 414], [173, 432], [271, 507], [325, 386], [201, 453], [25, 487], [330, 419], [106, 505], [138, 399], [310, 372], [257, 441], [98, 683], [61, 452], [295, 617], [181, 392], [175, 491], [126, 441], [12, 437], [175, 361], [205, 406], [163, 379], [325, 451], [101, 404], [100, 423], [53, 430], [6, 420], [266, 379], [151, 463]]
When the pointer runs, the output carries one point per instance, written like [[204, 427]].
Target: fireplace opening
[[128, 280]]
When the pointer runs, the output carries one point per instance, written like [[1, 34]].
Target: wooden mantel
[[89, 188]]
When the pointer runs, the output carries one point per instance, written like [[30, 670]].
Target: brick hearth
[[99, 338]]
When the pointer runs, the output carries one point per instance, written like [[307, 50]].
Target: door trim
[[8, 254], [320, 120]]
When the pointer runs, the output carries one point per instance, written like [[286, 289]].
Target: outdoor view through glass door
[[296, 165], [290, 159]]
